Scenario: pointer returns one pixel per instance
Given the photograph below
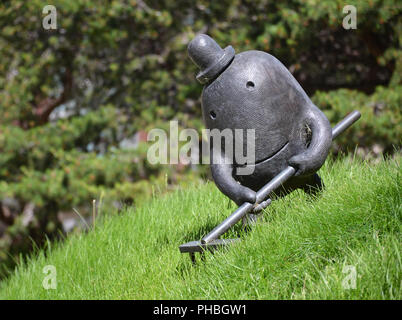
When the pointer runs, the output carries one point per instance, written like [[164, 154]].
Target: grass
[[304, 249]]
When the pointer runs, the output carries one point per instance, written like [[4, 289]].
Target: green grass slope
[[305, 248]]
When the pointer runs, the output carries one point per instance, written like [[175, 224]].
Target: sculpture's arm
[[222, 174], [314, 157]]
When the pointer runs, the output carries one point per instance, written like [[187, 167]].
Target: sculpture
[[254, 90]]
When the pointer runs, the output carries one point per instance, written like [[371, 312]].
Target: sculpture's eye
[[250, 85], [212, 114]]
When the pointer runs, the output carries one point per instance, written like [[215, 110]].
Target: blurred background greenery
[[76, 103]]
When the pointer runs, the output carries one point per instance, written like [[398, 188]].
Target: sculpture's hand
[[302, 164], [222, 174], [314, 157], [244, 194]]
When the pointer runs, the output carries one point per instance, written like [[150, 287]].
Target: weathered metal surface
[[254, 90]]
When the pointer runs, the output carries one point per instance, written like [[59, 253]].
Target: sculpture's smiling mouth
[[267, 158], [272, 155]]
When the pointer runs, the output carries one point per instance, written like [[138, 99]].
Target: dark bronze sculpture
[[254, 90]]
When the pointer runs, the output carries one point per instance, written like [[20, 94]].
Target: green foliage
[[299, 250], [112, 69], [380, 124]]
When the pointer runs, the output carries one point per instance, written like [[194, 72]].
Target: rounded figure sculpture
[[254, 90]]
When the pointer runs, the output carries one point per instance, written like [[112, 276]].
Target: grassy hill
[[304, 249]]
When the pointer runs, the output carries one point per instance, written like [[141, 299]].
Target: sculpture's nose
[[209, 57]]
